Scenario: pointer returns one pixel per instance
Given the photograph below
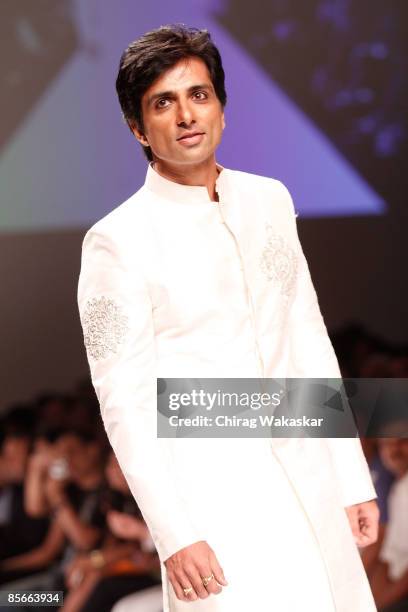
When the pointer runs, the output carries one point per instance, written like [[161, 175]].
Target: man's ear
[[223, 121], [139, 135]]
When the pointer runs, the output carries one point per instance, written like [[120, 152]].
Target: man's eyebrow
[[169, 94]]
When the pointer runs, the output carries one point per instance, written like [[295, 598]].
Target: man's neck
[[195, 175]]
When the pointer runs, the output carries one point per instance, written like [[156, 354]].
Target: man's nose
[[185, 113]]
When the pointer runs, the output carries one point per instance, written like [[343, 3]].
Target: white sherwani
[[175, 285]]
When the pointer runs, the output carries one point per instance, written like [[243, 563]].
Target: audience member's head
[[77, 455], [82, 413], [394, 454], [376, 365], [52, 409], [399, 364], [17, 439]]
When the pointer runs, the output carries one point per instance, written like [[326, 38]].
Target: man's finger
[[354, 524], [217, 570], [369, 531], [369, 519], [211, 584], [364, 541], [194, 575], [179, 589]]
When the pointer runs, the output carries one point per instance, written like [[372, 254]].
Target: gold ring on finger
[[187, 591], [207, 579]]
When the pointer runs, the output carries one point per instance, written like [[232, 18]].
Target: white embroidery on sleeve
[[279, 262], [104, 326]]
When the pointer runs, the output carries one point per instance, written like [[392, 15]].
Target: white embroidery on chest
[[104, 325], [278, 261]]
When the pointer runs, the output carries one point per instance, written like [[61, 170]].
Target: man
[[201, 274]]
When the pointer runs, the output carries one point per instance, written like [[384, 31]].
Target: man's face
[[182, 102], [394, 454]]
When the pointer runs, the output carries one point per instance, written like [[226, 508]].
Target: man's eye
[[160, 102], [201, 95]]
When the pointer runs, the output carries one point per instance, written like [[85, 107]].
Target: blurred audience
[[389, 574], [127, 560], [67, 518], [69, 522], [383, 480], [25, 541], [364, 355]]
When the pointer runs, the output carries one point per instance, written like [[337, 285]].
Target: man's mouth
[[190, 135]]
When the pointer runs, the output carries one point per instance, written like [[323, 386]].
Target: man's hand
[[187, 568], [363, 519]]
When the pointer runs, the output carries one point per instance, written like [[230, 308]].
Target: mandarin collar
[[177, 192]]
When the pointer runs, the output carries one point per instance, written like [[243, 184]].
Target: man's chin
[[189, 157]]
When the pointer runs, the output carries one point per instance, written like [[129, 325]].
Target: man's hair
[[149, 56]]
